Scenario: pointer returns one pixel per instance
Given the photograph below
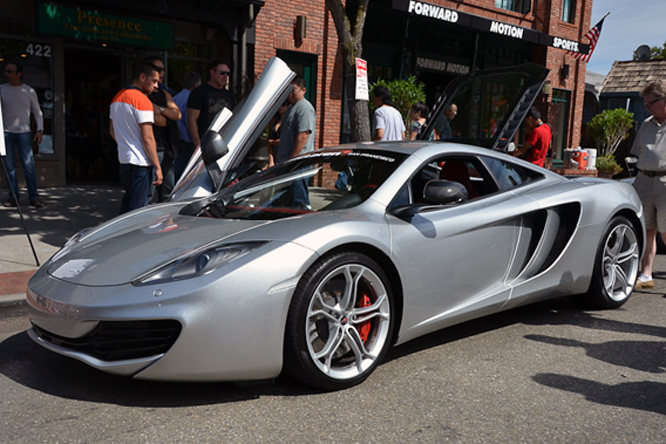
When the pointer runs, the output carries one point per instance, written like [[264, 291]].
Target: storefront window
[[568, 10], [523, 6], [35, 58]]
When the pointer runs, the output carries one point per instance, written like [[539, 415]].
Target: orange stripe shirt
[[129, 109]]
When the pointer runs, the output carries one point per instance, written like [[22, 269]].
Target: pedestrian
[[443, 130], [273, 140], [186, 147], [132, 118], [19, 101], [209, 99], [538, 140], [650, 183], [297, 134], [418, 115], [165, 129], [387, 122]]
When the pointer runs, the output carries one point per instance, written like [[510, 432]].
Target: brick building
[[77, 57], [436, 41]]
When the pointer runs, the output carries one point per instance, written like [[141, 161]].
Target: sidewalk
[[67, 210]]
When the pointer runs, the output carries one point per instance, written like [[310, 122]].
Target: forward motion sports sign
[[440, 13]]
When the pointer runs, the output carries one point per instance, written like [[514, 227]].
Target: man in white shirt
[[18, 102], [387, 122]]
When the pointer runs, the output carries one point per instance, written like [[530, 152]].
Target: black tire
[[616, 265], [340, 323]]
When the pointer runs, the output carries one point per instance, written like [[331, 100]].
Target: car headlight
[[197, 263]]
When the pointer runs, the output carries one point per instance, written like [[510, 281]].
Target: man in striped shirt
[[131, 127]]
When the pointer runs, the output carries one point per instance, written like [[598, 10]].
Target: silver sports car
[[317, 266]]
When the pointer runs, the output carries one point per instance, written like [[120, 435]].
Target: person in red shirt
[[538, 140]]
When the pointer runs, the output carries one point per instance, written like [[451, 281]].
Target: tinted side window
[[466, 170], [509, 175]]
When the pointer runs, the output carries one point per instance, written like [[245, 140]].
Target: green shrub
[[610, 128], [607, 162], [404, 94]]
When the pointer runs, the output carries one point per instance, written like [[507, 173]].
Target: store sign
[[441, 66], [84, 24], [427, 10]]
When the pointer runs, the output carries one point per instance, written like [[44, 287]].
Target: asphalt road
[[549, 373]]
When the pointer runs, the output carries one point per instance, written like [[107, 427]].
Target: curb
[[13, 305]]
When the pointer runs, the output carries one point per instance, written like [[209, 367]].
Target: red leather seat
[[456, 171]]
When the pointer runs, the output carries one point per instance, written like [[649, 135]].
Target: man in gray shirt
[[297, 136], [298, 124], [387, 122], [650, 184]]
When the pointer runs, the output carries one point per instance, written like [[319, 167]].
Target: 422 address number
[[38, 50]]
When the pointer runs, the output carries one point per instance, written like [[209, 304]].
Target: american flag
[[592, 37]]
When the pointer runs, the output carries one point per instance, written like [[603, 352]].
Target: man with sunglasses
[[208, 99], [18, 102], [650, 184]]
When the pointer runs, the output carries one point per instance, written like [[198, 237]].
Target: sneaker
[[36, 203], [644, 285], [10, 203]]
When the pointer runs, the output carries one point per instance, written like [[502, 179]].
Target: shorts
[[652, 191]]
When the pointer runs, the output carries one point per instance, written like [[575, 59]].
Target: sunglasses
[[10, 71], [223, 73], [649, 104]]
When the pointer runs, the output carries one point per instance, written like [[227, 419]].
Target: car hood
[[120, 254]]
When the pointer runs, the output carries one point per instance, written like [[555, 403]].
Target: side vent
[[569, 216], [544, 236]]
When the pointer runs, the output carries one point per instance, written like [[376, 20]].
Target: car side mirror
[[442, 192], [213, 147], [438, 193]]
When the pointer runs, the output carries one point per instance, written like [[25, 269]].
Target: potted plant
[[607, 165], [608, 129]]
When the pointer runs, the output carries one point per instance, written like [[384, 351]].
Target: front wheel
[[616, 265], [340, 322]]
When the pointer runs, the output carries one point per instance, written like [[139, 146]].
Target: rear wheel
[[340, 322], [616, 265]]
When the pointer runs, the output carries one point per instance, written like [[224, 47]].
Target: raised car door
[[209, 168], [491, 105], [455, 259]]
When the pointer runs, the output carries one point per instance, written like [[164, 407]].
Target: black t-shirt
[[166, 138], [209, 101]]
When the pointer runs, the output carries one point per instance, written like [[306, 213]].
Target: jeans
[[299, 194], [136, 181], [185, 151], [21, 142]]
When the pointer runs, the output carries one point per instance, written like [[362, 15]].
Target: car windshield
[[320, 181]]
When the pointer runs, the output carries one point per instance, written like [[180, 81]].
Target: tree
[[404, 94], [609, 128], [349, 38]]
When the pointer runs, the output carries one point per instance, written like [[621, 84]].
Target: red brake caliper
[[364, 327]]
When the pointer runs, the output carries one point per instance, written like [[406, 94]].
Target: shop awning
[[483, 24]]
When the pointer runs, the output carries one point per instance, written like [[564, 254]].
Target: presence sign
[[362, 80], [85, 24]]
